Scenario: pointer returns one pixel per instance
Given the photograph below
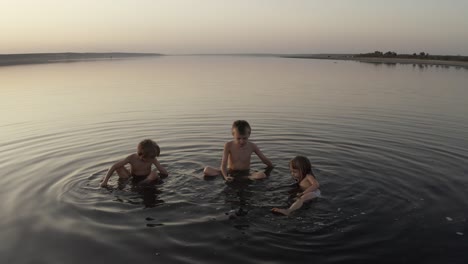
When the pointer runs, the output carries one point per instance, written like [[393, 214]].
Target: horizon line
[[211, 53]]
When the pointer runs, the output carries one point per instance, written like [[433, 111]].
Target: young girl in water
[[140, 165], [301, 171]]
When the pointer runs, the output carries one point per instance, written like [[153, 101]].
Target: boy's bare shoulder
[[228, 144], [252, 145], [132, 157]]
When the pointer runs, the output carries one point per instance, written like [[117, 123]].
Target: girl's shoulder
[[228, 144], [311, 178]]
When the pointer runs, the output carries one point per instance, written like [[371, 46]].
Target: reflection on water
[[145, 194], [421, 66], [388, 145]]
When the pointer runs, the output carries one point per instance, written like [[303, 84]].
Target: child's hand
[[229, 179], [103, 184], [299, 194]]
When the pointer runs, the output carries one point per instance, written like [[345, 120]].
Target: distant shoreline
[[375, 60], [40, 58]]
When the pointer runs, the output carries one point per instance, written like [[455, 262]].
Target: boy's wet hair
[[302, 164], [242, 126], [149, 149]]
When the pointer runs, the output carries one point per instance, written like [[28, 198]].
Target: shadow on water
[[238, 194]]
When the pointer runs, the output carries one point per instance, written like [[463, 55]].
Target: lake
[[388, 144]]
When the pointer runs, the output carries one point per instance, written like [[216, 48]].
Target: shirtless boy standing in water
[[140, 165], [236, 155]]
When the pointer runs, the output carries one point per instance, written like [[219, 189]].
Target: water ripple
[[391, 169]]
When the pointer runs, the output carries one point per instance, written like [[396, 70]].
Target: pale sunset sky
[[240, 26]]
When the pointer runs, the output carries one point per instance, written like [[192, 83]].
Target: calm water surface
[[389, 145]]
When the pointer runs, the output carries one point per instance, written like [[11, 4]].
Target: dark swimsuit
[[138, 178], [238, 173]]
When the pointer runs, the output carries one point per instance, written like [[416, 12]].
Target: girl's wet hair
[[302, 164], [242, 126], [149, 149]]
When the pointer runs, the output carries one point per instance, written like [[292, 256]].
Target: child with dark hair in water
[[140, 165], [301, 171], [236, 156]]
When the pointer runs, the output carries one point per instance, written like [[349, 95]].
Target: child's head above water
[[148, 149], [242, 127], [241, 132], [300, 166]]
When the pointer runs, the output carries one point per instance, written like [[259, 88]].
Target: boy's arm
[[113, 168], [262, 157], [160, 168], [224, 162]]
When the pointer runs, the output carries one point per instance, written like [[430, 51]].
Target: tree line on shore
[[420, 55]]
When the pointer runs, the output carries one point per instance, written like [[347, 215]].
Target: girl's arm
[[296, 205], [262, 157], [314, 185], [113, 168]]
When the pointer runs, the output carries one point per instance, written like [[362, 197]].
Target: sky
[[237, 26]]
